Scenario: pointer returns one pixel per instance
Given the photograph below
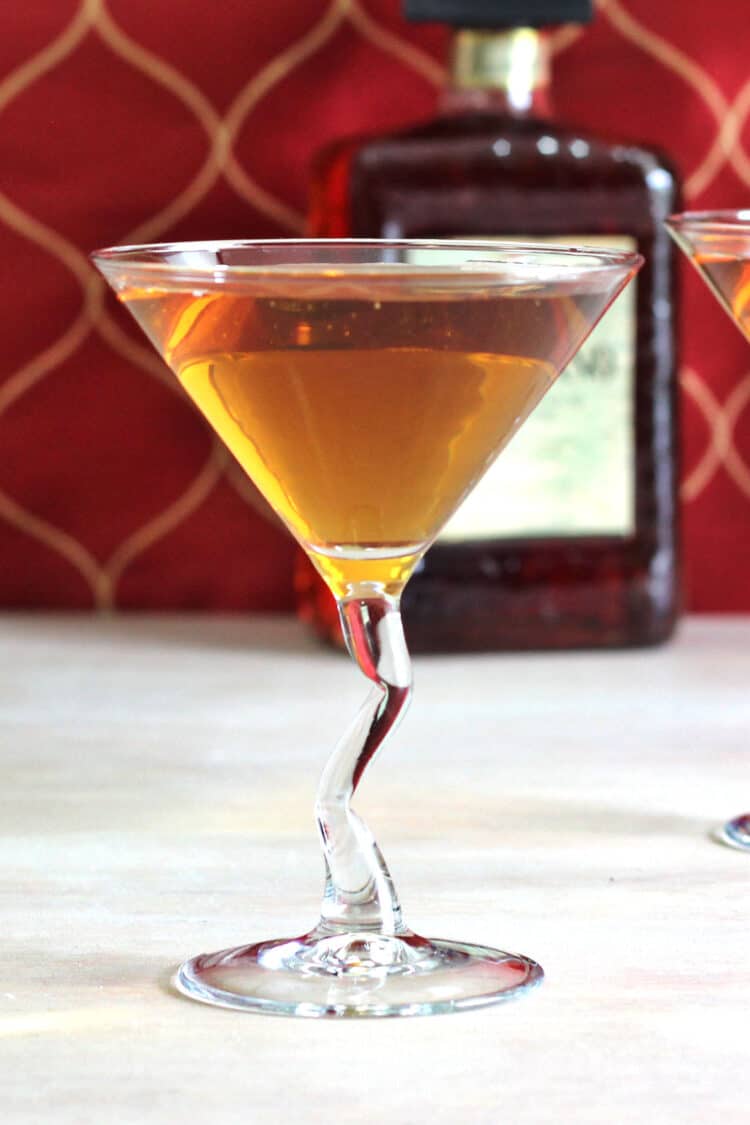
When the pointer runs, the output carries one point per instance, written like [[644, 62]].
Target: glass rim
[[728, 221], [143, 259]]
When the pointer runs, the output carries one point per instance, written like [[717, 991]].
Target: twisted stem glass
[[365, 387]]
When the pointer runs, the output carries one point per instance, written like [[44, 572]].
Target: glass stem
[[359, 892]]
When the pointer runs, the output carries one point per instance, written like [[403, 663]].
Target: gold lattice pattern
[[377, 26]]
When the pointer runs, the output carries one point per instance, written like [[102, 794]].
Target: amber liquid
[[480, 173], [365, 416], [729, 277]]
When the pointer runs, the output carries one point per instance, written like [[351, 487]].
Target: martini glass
[[718, 245], [365, 387]]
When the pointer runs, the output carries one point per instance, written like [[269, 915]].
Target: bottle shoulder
[[500, 142]]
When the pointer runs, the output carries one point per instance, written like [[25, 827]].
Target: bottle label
[[570, 471]]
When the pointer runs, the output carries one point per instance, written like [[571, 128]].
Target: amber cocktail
[[718, 245], [365, 387]]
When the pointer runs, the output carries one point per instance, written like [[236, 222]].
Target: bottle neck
[[501, 71]]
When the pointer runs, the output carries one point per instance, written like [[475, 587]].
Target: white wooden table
[[157, 785]]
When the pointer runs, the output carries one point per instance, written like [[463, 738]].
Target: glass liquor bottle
[[543, 556]]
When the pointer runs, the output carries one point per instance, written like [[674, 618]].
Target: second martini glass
[[718, 245], [365, 387]]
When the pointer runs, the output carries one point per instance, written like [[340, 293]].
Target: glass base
[[736, 833], [356, 974]]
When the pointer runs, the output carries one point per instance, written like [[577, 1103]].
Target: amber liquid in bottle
[[495, 164]]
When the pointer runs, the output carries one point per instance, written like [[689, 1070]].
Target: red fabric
[[112, 492]]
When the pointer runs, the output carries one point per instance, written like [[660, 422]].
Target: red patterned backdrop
[[131, 120]]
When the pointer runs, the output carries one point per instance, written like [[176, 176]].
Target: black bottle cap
[[480, 14]]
